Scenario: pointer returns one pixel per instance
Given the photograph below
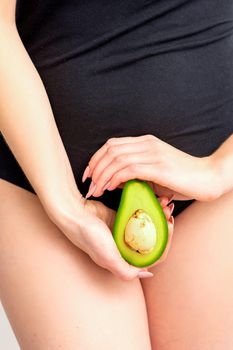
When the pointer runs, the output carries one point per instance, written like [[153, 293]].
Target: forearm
[[222, 159], [27, 122]]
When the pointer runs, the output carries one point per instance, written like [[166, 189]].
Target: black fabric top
[[127, 68]]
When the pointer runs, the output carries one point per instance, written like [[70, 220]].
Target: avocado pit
[[140, 233]]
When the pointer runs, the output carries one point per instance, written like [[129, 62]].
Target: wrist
[[217, 168], [63, 205], [222, 159], [207, 181]]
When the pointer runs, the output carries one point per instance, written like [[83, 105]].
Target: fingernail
[[170, 198], [106, 186], [92, 189], [144, 274], [171, 219], [86, 173], [171, 207]]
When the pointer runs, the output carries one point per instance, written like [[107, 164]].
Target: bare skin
[[58, 297], [66, 301], [189, 299], [54, 295]]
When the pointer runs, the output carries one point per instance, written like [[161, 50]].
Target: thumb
[[127, 272], [121, 185], [104, 213]]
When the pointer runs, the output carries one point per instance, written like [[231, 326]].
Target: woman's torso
[[127, 68]]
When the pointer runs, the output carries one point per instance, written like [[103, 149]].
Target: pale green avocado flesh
[[136, 195]]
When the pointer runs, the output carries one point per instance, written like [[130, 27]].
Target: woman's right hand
[[88, 225]]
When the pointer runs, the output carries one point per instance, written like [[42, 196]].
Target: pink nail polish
[[171, 219], [171, 207], [91, 190], [170, 198], [144, 274], [106, 186], [86, 173]]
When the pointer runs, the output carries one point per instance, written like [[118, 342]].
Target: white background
[[7, 337]]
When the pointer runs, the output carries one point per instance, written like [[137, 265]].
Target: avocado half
[[136, 195]]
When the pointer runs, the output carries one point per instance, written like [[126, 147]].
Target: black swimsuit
[[128, 68]]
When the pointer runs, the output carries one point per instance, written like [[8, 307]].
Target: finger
[[112, 142], [164, 200], [146, 172], [120, 162], [120, 268], [115, 158], [164, 191], [111, 153], [168, 210], [171, 209], [121, 185], [109, 257], [104, 213], [128, 272]]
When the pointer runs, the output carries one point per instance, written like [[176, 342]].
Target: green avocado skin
[[138, 194]]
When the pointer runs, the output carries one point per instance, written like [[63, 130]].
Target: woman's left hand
[[149, 158], [108, 216]]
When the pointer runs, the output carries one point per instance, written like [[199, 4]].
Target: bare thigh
[[190, 297], [54, 295]]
